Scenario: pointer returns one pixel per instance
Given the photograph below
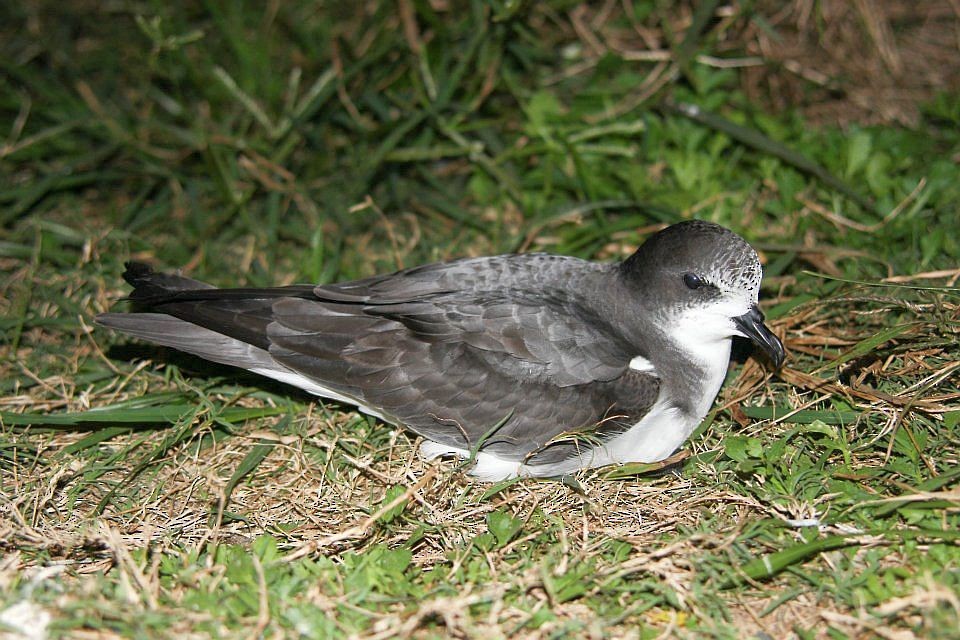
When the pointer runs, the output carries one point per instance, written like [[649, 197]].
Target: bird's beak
[[751, 324]]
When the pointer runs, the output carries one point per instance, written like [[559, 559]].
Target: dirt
[[852, 61]]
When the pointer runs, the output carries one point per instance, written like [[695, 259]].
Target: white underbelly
[[657, 435]]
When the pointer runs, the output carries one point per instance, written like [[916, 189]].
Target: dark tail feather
[[241, 314], [153, 289], [150, 285]]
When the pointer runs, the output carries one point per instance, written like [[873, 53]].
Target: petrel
[[530, 364]]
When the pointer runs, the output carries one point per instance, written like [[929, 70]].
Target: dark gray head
[[703, 281]]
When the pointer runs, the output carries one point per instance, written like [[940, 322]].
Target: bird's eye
[[693, 281]]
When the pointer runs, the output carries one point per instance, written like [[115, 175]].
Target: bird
[[524, 365]]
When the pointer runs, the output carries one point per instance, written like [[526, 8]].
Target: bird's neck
[[693, 367]]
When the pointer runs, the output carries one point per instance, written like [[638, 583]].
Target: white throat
[[706, 341]]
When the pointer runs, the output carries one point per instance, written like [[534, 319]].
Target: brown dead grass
[[860, 61], [837, 62]]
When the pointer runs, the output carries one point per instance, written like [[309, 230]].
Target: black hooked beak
[[751, 324]]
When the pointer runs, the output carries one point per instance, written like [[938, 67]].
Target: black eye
[[693, 281]]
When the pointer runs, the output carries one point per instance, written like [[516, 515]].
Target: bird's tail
[[192, 316], [150, 285]]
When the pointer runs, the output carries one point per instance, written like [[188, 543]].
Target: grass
[[146, 493]]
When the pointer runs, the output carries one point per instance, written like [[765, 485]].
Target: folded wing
[[527, 375]]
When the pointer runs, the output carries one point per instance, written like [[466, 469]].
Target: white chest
[[665, 427]]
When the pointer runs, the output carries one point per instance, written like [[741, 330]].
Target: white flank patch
[[641, 364], [430, 450], [311, 386], [488, 467]]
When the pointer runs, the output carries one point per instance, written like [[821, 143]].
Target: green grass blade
[[249, 463], [805, 416], [170, 413], [92, 440], [771, 564], [868, 345], [703, 13]]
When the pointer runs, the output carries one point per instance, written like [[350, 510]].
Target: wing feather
[[451, 370], [450, 350]]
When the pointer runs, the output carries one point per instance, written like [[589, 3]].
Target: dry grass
[[862, 62], [323, 489]]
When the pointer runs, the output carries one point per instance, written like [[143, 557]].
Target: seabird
[[531, 364]]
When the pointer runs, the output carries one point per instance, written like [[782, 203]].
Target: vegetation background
[[144, 493]]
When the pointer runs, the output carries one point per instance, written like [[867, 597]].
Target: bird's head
[[703, 281]]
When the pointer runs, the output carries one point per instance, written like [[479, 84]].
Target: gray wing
[[451, 366], [553, 376]]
